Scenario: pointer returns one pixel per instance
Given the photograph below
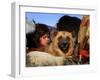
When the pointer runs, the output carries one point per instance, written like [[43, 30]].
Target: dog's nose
[[65, 43]]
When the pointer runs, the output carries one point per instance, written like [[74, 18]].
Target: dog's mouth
[[64, 45]]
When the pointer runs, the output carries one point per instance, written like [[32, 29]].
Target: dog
[[37, 58], [71, 25], [59, 52], [62, 44]]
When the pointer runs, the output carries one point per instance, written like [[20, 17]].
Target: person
[[39, 39]]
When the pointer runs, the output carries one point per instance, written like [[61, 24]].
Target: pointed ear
[[55, 33]]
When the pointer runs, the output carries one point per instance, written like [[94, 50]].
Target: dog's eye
[[60, 38], [67, 38]]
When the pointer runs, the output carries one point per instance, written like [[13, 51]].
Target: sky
[[47, 18]]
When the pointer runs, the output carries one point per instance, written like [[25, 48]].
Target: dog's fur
[[57, 41], [71, 25], [36, 58]]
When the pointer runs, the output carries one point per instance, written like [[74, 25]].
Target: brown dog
[[62, 44]]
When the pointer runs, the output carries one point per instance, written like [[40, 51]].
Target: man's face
[[44, 40]]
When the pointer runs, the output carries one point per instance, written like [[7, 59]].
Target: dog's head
[[63, 40], [64, 43], [69, 24]]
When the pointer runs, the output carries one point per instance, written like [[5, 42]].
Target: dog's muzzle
[[64, 44]]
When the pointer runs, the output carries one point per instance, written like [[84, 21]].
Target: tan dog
[[62, 44]]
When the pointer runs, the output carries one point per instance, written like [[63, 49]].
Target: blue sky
[[47, 18]]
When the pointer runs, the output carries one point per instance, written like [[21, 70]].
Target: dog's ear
[[53, 33]]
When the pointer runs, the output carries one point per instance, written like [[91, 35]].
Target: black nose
[[65, 43]]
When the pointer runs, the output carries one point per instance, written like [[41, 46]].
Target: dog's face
[[64, 41]]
